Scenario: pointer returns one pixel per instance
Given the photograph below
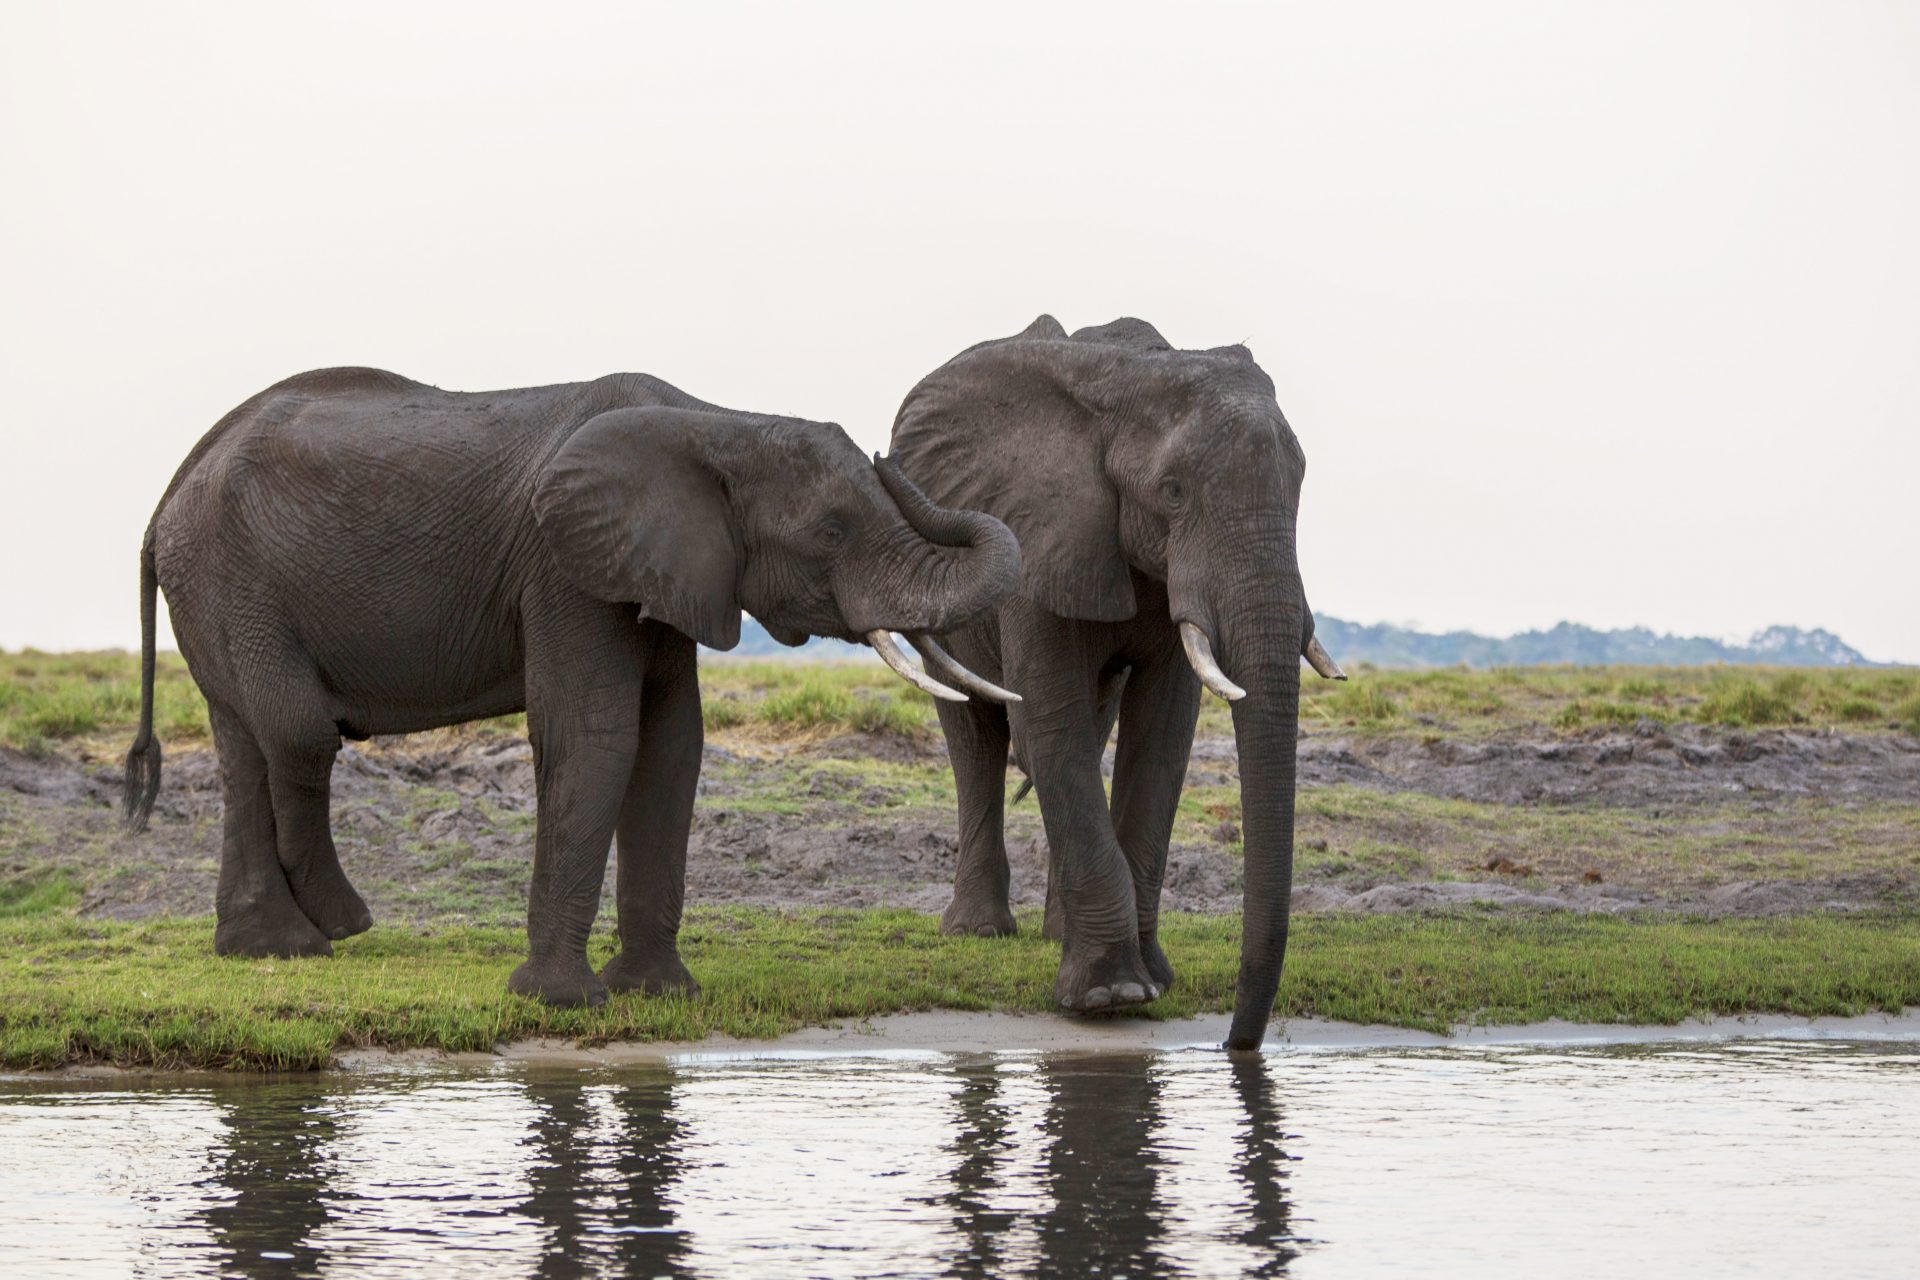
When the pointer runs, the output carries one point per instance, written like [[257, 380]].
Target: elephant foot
[[567, 983], [977, 916], [333, 904], [261, 933], [1159, 968], [660, 974], [1102, 979]]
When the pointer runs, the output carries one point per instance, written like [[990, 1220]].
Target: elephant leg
[[584, 681], [655, 817], [255, 911], [977, 737], [1157, 713], [1100, 963], [300, 771], [1054, 925]]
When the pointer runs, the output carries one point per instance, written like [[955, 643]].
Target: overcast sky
[[1603, 312]]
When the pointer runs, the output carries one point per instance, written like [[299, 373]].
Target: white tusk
[[882, 641], [950, 665], [1321, 661], [1200, 656]]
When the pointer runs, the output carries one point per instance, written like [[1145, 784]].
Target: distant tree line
[[1568, 644]]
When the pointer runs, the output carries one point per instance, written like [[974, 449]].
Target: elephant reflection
[[605, 1204], [1103, 1165], [274, 1169]]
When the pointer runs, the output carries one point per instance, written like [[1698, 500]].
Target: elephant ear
[[632, 514], [1002, 428]]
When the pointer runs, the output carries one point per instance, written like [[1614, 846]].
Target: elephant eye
[[1173, 492], [832, 533]]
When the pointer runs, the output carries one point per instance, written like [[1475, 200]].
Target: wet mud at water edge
[[438, 827], [1754, 1157]]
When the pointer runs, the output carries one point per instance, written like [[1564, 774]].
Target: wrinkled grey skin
[[1148, 486], [352, 553]]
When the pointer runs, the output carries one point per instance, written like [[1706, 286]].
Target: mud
[[440, 827], [1649, 766]]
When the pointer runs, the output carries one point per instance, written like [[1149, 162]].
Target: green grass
[[1464, 701], [153, 994], [46, 699]]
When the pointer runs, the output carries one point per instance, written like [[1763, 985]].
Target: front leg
[[1054, 664], [1157, 714], [654, 823], [977, 746], [585, 670]]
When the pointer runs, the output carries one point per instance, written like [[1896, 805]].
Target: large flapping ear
[[1006, 428], [632, 514]]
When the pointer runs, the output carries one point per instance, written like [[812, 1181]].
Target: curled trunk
[[936, 571]]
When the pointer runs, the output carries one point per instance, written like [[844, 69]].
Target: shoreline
[[947, 1032]]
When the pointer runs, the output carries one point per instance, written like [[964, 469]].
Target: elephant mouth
[[792, 637]]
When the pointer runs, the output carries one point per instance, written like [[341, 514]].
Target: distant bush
[[724, 713], [1747, 702], [815, 704], [1364, 702], [1907, 715], [1580, 712]]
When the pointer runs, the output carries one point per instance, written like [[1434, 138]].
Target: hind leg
[[254, 905], [300, 772]]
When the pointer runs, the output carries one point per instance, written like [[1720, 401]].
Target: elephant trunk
[[1260, 642], [938, 571]]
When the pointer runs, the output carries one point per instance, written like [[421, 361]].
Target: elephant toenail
[[1130, 993], [1097, 998]]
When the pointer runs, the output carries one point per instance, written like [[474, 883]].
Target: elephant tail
[[143, 758]]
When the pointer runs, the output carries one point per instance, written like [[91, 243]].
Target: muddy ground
[[438, 827]]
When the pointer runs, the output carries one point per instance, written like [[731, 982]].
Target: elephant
[[352, 553], [1154, 492]]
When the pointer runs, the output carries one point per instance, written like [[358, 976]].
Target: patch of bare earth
[[439, 827]]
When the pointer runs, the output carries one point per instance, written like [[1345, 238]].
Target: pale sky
[[1604, 312]]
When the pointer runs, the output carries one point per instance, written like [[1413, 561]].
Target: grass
[[154, 995], [47, 699], [1571, 698]]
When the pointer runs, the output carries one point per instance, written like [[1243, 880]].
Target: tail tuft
[[142, 785]]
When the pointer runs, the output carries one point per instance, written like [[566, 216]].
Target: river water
[[1761, 1157]]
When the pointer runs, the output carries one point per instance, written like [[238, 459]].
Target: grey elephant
[[352, 553], [1154, 492]]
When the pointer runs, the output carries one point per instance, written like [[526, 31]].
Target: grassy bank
[[49, 699], [153, 994]]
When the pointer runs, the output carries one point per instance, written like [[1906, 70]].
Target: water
[[1770, 1157]]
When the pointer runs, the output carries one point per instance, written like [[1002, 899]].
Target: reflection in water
[[266, 1194], [1491, 1161], [1102, 1167]]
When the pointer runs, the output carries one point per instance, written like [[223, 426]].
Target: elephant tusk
[[1200, 656], [934, 655], [882, 641], [1318, 658]]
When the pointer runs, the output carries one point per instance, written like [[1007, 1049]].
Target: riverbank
[[152, 994], [1627, 846]]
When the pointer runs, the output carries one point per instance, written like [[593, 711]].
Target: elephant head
[[1110, 452], [696, 514]]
